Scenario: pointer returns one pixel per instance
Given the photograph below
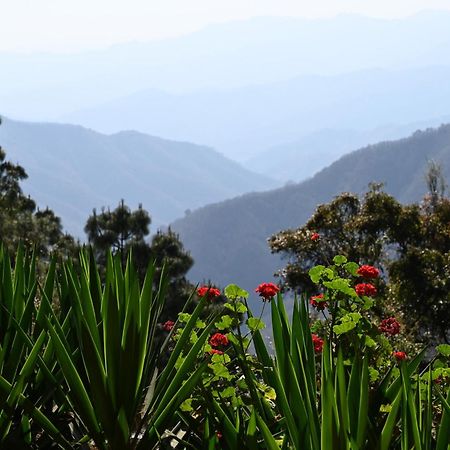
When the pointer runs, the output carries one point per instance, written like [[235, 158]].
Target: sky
[[78, 25]]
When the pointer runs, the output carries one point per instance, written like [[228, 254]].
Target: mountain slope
[[228, 239], [242, 122], [72, 170], [299, 160]]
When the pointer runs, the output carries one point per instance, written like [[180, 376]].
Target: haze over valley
[[239, 107]]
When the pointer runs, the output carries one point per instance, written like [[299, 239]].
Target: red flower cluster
[[366, 289], [318, 343], [315, 236], [211, 292], [368, 272], [218, 339], [317, 302], [390, 326], [399, 356], [168, 325], [267, 290]]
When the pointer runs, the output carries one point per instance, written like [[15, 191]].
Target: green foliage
[[410, 244], [119, 231], [123, 232], [81, 362], [86, 360]]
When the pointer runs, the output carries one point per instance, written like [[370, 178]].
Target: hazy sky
[[71, 25]]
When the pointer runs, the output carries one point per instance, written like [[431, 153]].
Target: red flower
[[318, 343], [219, 435], [267, 290], [399, 356], [390, 326], [366, 289], [168, 325], [211, 292], [214, 351], [315, 236], [317, 302], [368, 272], [218, 339]]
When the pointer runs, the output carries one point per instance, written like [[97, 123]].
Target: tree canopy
[[122, 231], [410, 244]]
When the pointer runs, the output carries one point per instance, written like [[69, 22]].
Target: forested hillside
[[228, 240], [303, 158], [73, 169]]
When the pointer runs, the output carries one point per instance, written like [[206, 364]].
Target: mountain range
[[73, 170], [301, 159], [38, 86], [244, 86], [228, 240], [245, 121]]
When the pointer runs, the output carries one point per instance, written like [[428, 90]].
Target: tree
[[436, 182], [167, 251], [346, 226], [123, 231], [21, 221], [410, 244], [119, 231]]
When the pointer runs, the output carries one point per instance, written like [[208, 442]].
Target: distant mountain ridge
[[243, 122], [296, 161], [228, 240], [233, 54], [73, 170]]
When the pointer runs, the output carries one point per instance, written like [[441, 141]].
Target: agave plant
[[111, 360], [27, 399]]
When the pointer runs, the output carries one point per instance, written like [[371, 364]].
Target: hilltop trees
[[409, 243], [120, 230], [123, 230]]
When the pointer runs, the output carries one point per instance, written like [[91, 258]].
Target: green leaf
[[344, 327], [223, 359], [233, 291], [193, 338], [268, 391], [255, 324], [220, 371], [315, 273], [443, 349], [237, 307], [351, 268], [369, 342], [339, 260], [386, 408], [200, 324], [225, 322], [368, 302], [230, 391], [184, 317], [341, 285], [354, 317], [187, 405]]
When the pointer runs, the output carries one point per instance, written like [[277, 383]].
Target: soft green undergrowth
[[86, 363]]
